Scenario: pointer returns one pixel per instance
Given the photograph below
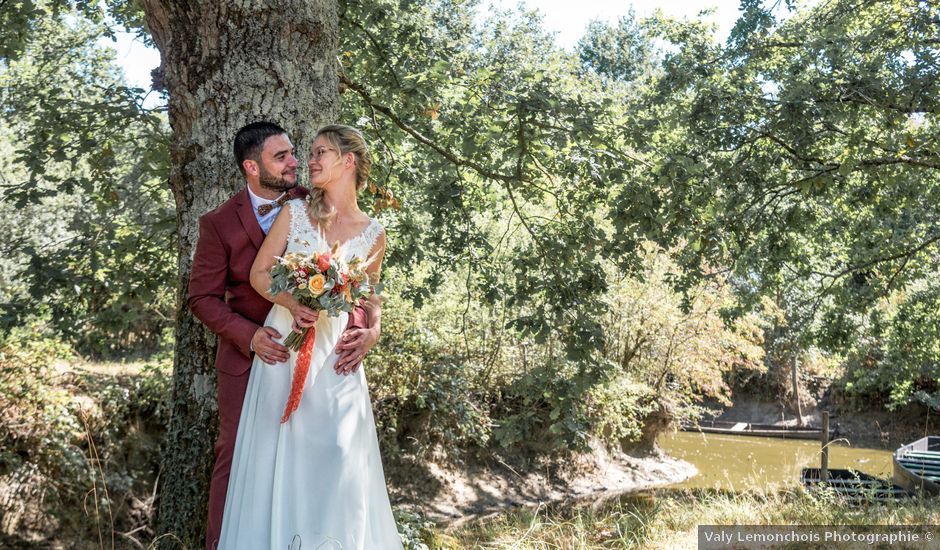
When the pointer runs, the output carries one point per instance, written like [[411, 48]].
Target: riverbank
[[596, 500], [877, 429], [452, 496]]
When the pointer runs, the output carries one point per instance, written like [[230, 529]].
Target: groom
[[221, 296]]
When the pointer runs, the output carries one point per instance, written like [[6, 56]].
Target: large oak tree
[[225, 64]]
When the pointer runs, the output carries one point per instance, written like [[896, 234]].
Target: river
[[743, 462]]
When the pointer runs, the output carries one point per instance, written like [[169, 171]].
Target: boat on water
[[917, 466], [747, 428], [852, 485]]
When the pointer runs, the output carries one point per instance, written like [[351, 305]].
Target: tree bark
[[225, 64], [796, 391]]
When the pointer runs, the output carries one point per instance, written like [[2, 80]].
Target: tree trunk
[[225, 64], [796, 391]]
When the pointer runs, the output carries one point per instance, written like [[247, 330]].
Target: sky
[[567, 18]]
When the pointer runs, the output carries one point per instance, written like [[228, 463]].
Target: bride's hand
[[304, 317], [353, 347]]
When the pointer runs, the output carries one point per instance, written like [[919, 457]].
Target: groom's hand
[[353, 346], [266, 348]]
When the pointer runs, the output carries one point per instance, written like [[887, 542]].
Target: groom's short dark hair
[[249, 140]]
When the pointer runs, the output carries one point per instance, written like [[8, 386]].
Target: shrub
[[898, 362], [39, 457], [79, 449], [679, 344], [426, 400]]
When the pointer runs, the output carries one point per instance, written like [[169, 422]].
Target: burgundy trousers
[[231, 395]]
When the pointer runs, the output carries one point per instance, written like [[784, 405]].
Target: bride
[[315, 481]]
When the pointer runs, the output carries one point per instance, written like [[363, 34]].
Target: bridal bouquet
[[320, 281]]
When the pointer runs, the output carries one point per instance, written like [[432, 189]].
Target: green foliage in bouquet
[[322, 282]]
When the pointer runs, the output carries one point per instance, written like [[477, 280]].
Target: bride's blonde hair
[[345, 139]]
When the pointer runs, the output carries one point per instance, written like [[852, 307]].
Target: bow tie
[[263, 209]]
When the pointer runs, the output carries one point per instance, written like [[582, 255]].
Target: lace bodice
[[304, 237]]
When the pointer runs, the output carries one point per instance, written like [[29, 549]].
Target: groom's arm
[[360, 335], [207, 290]]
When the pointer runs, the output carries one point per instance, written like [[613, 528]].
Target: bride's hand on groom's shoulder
[[353, 347]]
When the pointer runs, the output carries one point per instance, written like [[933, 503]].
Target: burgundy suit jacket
[[220, 292]]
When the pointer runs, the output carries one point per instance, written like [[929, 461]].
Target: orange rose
[[316, 284]]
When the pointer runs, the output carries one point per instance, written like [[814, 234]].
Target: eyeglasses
[[319, 152]]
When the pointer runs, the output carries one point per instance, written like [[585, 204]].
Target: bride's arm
[[274, 245], [357, 342]]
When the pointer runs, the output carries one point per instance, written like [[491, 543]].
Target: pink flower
[[323, 262]]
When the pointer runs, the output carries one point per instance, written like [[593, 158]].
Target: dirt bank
[[874, 429], [452, 497]]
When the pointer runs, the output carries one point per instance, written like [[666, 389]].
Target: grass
[[669, 519]]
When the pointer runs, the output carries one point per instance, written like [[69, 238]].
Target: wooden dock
[[747, 428]]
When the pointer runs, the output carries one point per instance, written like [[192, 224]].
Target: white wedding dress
[[316, 481]]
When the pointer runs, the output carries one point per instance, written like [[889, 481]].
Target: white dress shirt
[[267, 220]]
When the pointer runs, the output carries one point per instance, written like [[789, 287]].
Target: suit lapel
[[246, 215]]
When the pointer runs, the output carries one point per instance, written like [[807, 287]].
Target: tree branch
[[877, 161], [793, 152], [520, 134], [375, 44], [903, 159], [413, 132], [507, 180], [874, 261], [852, 96]]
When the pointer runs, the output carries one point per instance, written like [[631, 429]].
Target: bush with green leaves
[[548, 407], [682, 345], [427, 398], [898, 362], [414, 529], [40, 456], [79, 447]]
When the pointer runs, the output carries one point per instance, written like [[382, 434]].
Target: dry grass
[[669, 519]]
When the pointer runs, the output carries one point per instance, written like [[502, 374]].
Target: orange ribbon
[[300, 373]]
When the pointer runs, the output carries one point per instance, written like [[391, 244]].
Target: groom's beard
[[273, 182]]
